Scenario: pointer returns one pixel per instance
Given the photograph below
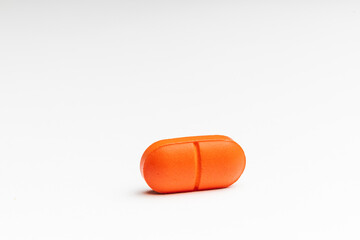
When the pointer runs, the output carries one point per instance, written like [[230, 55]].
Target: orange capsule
[[192, 163]]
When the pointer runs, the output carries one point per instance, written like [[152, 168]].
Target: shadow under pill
[[153, 193]]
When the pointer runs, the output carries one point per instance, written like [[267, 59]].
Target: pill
[[192, 163]]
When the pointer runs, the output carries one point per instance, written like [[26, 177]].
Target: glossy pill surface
[[192, 163]]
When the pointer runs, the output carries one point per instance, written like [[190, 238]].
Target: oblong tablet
[[192, 163]]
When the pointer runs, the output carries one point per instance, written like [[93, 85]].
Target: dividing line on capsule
[[197, 165]]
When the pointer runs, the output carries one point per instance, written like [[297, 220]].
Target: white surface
[[85, 87]]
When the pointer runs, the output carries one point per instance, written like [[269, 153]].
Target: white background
[[87, 86]]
